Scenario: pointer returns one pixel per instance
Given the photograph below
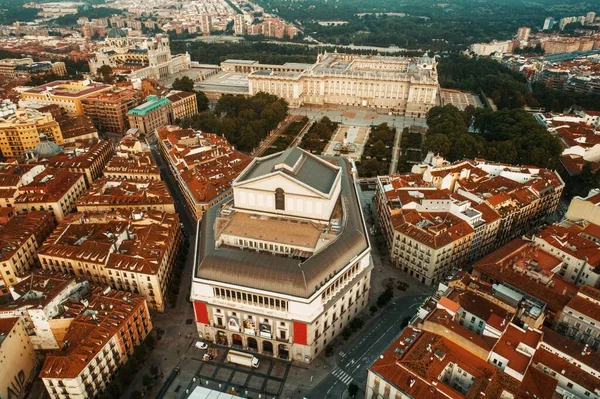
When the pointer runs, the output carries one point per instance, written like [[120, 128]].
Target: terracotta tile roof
[[571, 348], [76, 126], [519, 185], [179, 95], [142, 239], [49, 186], [505, 265], [62, 88], [80, 154], [132, 163], [435, 230], [6, 325], [415, 361], [585, 306], [19, 229], [38, 289], [449, 304], [11, 174], [572, 242], [206, 162], [481, 307], [88, 334], [132, 193], [507, 347], [570, 371], [443, 318], [573, 164], [577, 134]]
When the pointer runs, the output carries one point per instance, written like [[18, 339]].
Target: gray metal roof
[[311, 170], [280, 274]]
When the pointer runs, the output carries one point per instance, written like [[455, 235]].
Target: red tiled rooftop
[[434, 229], [508, 343], [498, 266]]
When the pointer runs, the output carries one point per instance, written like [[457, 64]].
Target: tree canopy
[[244, 121], [509, 135], [506, 88], [186, 84]]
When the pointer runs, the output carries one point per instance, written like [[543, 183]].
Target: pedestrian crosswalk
[[342, 376], [342, 354]]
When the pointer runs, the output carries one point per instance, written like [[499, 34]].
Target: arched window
[[279, 199]]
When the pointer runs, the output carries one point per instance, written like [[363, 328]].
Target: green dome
[[116, 32]]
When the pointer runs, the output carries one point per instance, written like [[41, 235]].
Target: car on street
[[201, 345]]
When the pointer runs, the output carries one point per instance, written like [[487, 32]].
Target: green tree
[[202, 101], [438, 144], [184, 84], [352, 390]]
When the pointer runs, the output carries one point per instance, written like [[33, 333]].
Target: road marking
[[330, 389], [342, 354], [341, 375]]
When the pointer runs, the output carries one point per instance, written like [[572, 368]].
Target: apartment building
[[108, 110], [580, 318], [151, 115], [108, 194], [284, 263], [523, 269], [132, 165], [67, 94], [585, 208], [20, 238], [87, 157], [183, 104], [42, 301], [78, 127], [124, 249], [578, 246], [54, 190], [204, 165], [18, 360], [21, 131], [100, 339], [13, 177], [574, 365], [523, 196], [422, 364], [472, 339], [430, 231], [26, 67]]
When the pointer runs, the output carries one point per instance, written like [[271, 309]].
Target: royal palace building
[[405, 86]]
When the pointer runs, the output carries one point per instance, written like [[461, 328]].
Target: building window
[[279, 199]]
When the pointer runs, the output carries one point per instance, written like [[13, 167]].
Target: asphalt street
[[357, 355]]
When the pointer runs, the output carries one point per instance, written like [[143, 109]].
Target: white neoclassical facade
[[407, 86], [283, 265], [139, 57]]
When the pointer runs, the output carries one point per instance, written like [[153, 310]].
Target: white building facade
[[283, 265], [402, 85], [139, 57]]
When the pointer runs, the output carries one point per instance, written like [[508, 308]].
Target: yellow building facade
[[21, 131]]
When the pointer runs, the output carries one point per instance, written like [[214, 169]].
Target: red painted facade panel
[[201, 312], [300, 333]]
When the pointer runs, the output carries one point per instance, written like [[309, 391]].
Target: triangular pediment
[[276, 180]]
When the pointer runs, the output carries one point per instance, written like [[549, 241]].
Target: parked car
[[201, 345]]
